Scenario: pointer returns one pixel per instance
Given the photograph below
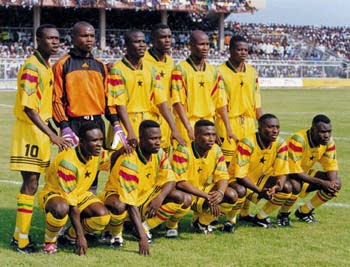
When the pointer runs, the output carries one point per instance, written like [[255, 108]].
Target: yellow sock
[[95, 224], [53, 227], [245, 209], [231, 215], [273, 204], [289, 203], [317, 200], [165, 212], [173, 222], [206, 218], [25, 206], [225, 208], [116, 223]]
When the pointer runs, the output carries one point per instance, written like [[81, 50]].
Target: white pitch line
[[6, 106], [15, 182]]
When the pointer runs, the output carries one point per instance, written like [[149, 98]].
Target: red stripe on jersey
[[151, 97], [176, 77], [115, 82], [331, 148], [243, 151], [29, 78], [215, 88], [38, 94], [222, 158], [179, 159], [282, 149], [128, 177], [66, 177], [295, 148]]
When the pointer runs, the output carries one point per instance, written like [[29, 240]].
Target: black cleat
[[266, 223], [229, 227], [28, 249], [283, 219], [305, 217]]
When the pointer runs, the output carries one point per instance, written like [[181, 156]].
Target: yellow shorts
[[241, 127], [85, 199], [166, 133], [30, 149], [135, 120], [251, 195], [198, 202], [143, 207], [305, 185]]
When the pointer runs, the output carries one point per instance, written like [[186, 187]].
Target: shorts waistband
[[86, 118]]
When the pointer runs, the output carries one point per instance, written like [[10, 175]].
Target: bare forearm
[[74, 216], [165, 111], [36, 119], [135, 217], [179, 109], [191, 189], [123, 114]]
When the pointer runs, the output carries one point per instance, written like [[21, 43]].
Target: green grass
[[323, 244]]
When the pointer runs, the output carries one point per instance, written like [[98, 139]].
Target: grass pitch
[[322, 244]]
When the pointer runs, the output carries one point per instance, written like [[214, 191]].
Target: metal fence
[[267, 68]]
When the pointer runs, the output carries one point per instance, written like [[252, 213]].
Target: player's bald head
[[197, 35], [79, 25]]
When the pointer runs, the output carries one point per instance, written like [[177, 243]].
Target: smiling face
[[269, 130], [91, 144], [321, 133]]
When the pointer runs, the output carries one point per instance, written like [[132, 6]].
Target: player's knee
[[30, 184], [231, 196], [176, 196], [241, 191], [58, 207], [115, 206], [187, 201], [287, 187]]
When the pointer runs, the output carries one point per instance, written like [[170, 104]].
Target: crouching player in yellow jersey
[[259, 169], [306, 147], [66, 194], [142, 185], [203, 173]]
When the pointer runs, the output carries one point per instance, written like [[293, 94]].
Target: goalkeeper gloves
[[68, 134], [119, 136]]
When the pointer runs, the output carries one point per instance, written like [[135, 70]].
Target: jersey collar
[[202, 67], [126, 62], [309, 139], [260, 142], [41, 59], [156, 58], [141, 156], [230, 66]]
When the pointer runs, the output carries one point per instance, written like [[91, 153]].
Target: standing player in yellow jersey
[[259, 167], [142, 96], [243, 96], [197, 91], [159, 56], [203, 173], [30, 152], [141, 185], [66, 191], [306, 148]]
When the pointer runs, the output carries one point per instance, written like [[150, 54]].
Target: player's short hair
[[320, 118], [236, 39], [87, 126], [146, 124], [265, 117], [158, 26], [76, 27], [202, 123], [128, 34], [193, 35], [39, 33]]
